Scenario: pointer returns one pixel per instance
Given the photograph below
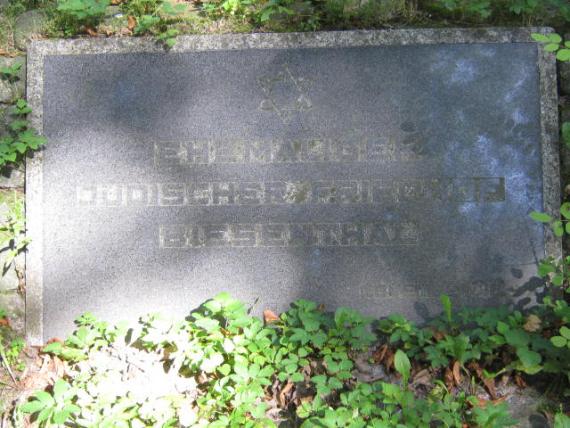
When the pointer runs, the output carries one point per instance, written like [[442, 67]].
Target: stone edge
[[34, 205], [38, 50], [551, 184]]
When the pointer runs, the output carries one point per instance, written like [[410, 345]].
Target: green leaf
[[60, 387], [541, 38], [552, 47], [402, 365], [208, 324], [53, 348], [566, 133], [555, 38], [540, 217], [563, 55], [565, 209], [45, 398], [212, 363], [544, 268], [502, 327], [517, 338], [446, 303], [224, 369], [32, 406], [558, 341], [297, 377], [565, 332], [558, 280], [558, 228], [529, 358]]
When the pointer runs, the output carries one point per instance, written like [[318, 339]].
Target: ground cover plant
[[305, 367], [167, 18]]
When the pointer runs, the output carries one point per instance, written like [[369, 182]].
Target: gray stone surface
[[565, 77], [376, 170], [13, 89], [12, 178], [14, 306], [29, 26], [5, 91]]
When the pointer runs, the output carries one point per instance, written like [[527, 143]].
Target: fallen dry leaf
[[282, 397], [269, 316], [532, 323], [489, 383], [379, 354], [11, 54], [520, 382], [91, 32], [389, 359], [456, 371], [423, 377], [132, 22], [5, 322]]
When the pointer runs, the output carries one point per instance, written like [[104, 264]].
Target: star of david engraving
[[285, 94]]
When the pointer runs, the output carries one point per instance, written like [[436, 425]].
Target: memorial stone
[[376, 170]]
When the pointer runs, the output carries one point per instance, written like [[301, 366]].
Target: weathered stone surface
[[12, 89], [29, 26], [14, 306], [340, 167], [5, 91], [9, 281], [11, 177]]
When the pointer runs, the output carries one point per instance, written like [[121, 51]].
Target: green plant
[[56, 408], [553, 43], [492, 416], [561, 420], [10, 73], [12, 231], [563, 340], [75, 16], [21, 137], [556, 270], [156, 17], [222, 367], [480, 8]]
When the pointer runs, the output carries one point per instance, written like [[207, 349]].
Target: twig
[[6, 365]]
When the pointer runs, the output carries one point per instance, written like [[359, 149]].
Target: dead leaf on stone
[[11, 54], [125, 32], [532, 323], [520, 382], [423, 377], [91, 31], [488, 382], [5, 322], [132, 22], [379, 354], [269, 316], [456, 371], [389, 359], [282, 398]]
